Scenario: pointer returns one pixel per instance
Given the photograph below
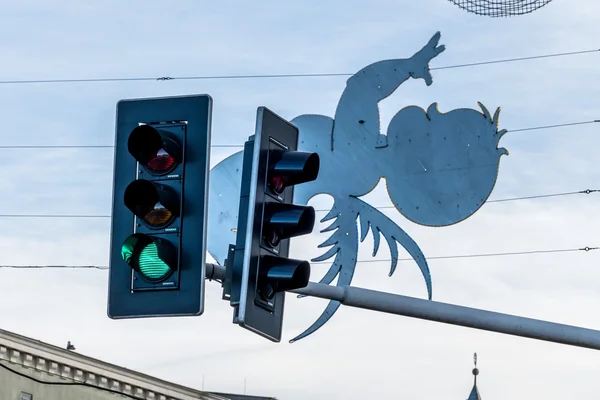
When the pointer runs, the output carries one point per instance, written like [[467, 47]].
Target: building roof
[[475, 391], [26, 352], [474, 394]]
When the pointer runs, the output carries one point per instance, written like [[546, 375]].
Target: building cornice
[[53, 360]]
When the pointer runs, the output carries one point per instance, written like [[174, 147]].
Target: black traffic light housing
[[267, 220], [159, 212]]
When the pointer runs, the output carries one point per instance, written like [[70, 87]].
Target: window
[[26, 396]]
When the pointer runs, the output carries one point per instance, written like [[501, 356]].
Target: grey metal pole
[[215, 272], [455, 315]]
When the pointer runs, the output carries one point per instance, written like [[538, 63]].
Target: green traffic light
[[150, 264], [152, 257]]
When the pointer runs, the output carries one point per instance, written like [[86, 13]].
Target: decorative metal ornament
[[439, 168], [500, 8]]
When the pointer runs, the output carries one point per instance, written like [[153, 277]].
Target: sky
[[358, 354]]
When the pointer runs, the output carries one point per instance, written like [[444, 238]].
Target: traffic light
[[159, 211], [267, 220]]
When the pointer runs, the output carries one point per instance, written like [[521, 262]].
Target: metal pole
[[215, 272], [455, 315]]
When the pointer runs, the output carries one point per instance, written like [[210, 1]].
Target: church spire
[[475, 391]]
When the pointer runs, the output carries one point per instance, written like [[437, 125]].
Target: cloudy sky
[[358, 354]]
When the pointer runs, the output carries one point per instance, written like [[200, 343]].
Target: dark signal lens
[[158, 216], [157, 150], [154, 203], [289, 168], [277, 184], [271, 238], [285, 221]]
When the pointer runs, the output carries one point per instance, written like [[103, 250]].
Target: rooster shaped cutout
[[439, 168]]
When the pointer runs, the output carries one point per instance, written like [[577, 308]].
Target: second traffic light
[[267, 220]]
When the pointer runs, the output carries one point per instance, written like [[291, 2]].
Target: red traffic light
[[290, 168], [155, 149]]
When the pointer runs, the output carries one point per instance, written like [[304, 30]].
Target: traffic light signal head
[[157, 150], [281, 274], [154, 203], [152, 257], [284, 221], [289, 168], [267, 220], [157, 262]]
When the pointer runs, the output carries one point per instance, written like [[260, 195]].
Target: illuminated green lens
[[141, 252], [150, 264]]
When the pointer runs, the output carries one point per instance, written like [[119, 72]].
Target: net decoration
[[500, 8]]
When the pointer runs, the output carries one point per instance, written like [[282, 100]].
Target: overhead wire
[[93, 146], [507, 60], [258, 76], [276, 76], [239, 146], [510, 253], [99, 267], [554, 126], [540, 196], [447, 257], [262, 76], [271, 76]]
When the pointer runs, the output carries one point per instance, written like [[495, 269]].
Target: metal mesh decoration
[[500, 8]]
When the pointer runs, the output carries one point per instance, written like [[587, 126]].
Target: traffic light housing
[[159, 211], [267, 220]]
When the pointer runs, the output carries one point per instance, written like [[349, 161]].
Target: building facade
[[34, 370]]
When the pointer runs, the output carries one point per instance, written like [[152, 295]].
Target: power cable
[[74, 383], [265, 76], [507, 60], [93, 146], [586, 191], [554, 126], [237, 146], [540, 196], [511, 253], [54, 267], [53, 216]]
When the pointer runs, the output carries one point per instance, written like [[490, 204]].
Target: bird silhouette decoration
[[439, 169]]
